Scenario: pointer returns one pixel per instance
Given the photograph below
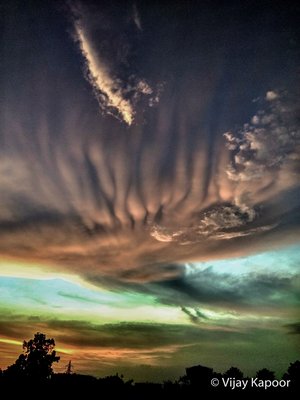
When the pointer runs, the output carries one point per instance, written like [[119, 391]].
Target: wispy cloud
[[107, 89], [117, 92], [136, 17]]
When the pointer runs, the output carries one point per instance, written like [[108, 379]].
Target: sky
[[149, 184]]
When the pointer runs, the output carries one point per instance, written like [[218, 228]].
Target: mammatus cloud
[[265, 163], [153, 204], [105, 210], [106, 50], [92, 197]]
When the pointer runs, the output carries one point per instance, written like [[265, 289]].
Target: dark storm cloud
[[294, 328], [245, 291], [90, 195]]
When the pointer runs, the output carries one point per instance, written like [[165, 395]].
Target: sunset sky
[[149, 184]]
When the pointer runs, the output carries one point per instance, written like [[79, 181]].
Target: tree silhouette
[[293, 371], [265, 374], [199, 376], [234, 372], [293, 374], [36, 360]]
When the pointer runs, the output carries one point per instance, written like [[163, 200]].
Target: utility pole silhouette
[[69, 368]]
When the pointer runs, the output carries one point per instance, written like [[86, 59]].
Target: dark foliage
[[265, 374], [36, 360]]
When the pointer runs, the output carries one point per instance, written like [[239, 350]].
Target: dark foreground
[[198, 380]]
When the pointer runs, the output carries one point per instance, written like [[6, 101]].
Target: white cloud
[[233, 235], [108, 89], [137, 18], [268, 144], [107, 60], [159, 233], [221, 222], [224, 217], [271, 95]]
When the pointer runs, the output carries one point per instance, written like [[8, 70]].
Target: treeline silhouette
[[33, 368]]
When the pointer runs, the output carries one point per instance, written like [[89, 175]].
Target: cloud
[[129, 200], [105, 47], [294, 328], [196, 317], [228, 291], [152, 272], [112, 96], [264, 164], [253, 231], [136, 17], [124, 335], [271, 96], [222, 222], [132, 347], [160, 234], [77, 297], [267, 148], [134, 343], [86, 195]]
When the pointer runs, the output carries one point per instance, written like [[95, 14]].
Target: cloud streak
[[105, 61], [133, 346], [102, 82]]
